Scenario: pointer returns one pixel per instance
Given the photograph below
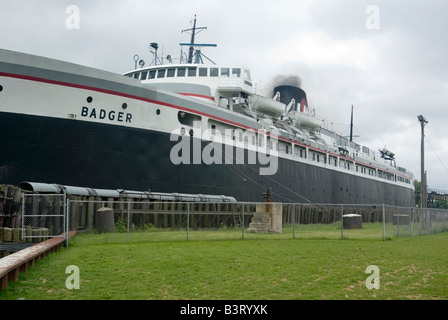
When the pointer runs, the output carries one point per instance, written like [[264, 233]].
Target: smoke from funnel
[[293, 81], [289, 88]]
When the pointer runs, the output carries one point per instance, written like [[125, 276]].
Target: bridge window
[[144, 75], [161, 73], [170, 72], [152, 74], [181, 72], [202, 72], [247, 75], [225, 72], [236, 72], [214, 72], [192, 72]]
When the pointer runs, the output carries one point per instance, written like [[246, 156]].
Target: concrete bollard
[[105, 220], [352, 221]]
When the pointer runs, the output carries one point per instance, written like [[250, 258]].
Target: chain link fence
[[146, 220], [43, 217]]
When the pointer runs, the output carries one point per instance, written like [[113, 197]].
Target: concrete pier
[[267, 218]]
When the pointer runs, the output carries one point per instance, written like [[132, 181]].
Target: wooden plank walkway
[[20, 261]]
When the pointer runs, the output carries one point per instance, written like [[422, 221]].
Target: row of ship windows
[[286, 148], [189, 72], [316, 156]]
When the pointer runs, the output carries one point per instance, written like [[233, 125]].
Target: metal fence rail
[[297, 219], [43, 216]]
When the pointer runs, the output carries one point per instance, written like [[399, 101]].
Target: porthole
[[124, 105], [1, 88], [89, 99], [158, 111]]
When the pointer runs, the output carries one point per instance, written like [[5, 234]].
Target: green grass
[[219, 265]]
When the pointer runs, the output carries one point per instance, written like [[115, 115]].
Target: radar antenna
[[195, 30]]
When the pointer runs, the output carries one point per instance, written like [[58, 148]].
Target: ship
[[187, 126]]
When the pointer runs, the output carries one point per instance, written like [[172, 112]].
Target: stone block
[[401, 219], [352, 221]]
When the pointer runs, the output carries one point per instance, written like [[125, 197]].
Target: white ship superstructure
[[74, 125]]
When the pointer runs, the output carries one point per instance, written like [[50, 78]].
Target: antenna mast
[[194, 31]]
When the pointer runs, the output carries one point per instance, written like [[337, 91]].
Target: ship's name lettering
[[104, 114]]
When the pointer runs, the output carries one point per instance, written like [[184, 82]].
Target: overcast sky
[[387, 58]]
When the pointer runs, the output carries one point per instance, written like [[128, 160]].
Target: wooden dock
[[20, 261]]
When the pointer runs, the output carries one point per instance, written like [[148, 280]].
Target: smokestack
[[289, 88], [288, 92]]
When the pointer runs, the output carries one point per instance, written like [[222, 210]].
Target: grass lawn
[[163, 266]]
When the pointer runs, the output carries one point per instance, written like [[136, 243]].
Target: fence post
[[342, 221], [188, 218], [127, 238], [384, 223], [242, 222], [23, 215], [293, 221], [66, 213]]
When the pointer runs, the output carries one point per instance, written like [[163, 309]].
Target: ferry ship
[[188, 127]]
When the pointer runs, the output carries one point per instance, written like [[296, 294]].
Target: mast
[[193, 31], [198, 54]]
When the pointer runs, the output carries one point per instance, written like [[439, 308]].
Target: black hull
[[78, 153]]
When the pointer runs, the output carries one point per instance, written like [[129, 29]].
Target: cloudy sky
[[387, 58]]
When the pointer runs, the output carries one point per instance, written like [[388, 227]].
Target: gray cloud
[[390, 75]]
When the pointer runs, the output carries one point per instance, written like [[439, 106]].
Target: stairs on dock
[[260, 223]]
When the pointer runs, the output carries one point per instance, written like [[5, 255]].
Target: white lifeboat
[[267, 106], [305, 117]]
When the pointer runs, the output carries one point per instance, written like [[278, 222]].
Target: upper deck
[[209, 82]]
